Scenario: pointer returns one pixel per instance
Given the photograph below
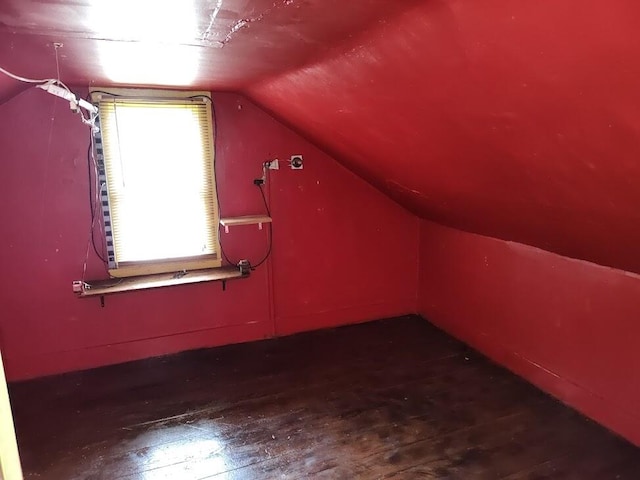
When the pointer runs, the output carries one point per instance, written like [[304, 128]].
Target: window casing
[[155, 158]]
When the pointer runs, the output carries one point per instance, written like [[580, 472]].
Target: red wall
[[342, 253], [333, 238], [568, 326]]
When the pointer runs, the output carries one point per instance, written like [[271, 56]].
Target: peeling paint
[[239, 25], [246, 22], [212, 19]]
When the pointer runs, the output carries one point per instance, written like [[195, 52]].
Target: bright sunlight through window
[[158, 158]]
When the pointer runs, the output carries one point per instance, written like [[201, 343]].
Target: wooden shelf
[[246, 220], [115, 285]]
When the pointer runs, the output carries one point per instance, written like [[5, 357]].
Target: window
[[156, 174]]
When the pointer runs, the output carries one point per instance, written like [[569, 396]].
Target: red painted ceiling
[[213, 44], [515, 119]]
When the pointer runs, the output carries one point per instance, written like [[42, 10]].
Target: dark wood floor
[[390, 399]]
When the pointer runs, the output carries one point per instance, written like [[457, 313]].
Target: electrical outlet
[[296, 162], [273, 165]]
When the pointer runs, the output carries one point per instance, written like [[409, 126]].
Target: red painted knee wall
[[570, 327]]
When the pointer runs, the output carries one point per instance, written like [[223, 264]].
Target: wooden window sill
[[114, 285]]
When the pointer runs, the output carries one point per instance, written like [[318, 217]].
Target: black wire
[[110, 285], [91, 200], [106, 93], [202, 96], [266, 206], [215, 175], [264, 198], [119, 95], [270, 227]]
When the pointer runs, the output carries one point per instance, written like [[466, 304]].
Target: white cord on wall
[[24, 79], [59, 89]]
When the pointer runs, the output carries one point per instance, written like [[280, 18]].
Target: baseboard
[[288, 325], [32, 366], [52, 363]]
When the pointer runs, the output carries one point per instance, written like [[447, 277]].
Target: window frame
[[149, 267]]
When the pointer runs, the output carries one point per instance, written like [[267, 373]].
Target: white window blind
[[158, 160]]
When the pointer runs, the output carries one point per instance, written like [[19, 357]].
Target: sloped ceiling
[[510, 118]]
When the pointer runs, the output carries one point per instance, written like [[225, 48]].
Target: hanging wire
[[264, 199], [266, 206], [56, 46], [90, 240], [44, 83], [94, 201]]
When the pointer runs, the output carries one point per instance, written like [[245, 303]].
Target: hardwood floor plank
[[390, 399]]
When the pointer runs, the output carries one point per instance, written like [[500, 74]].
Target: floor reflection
[[179, 448], [187, 458]]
